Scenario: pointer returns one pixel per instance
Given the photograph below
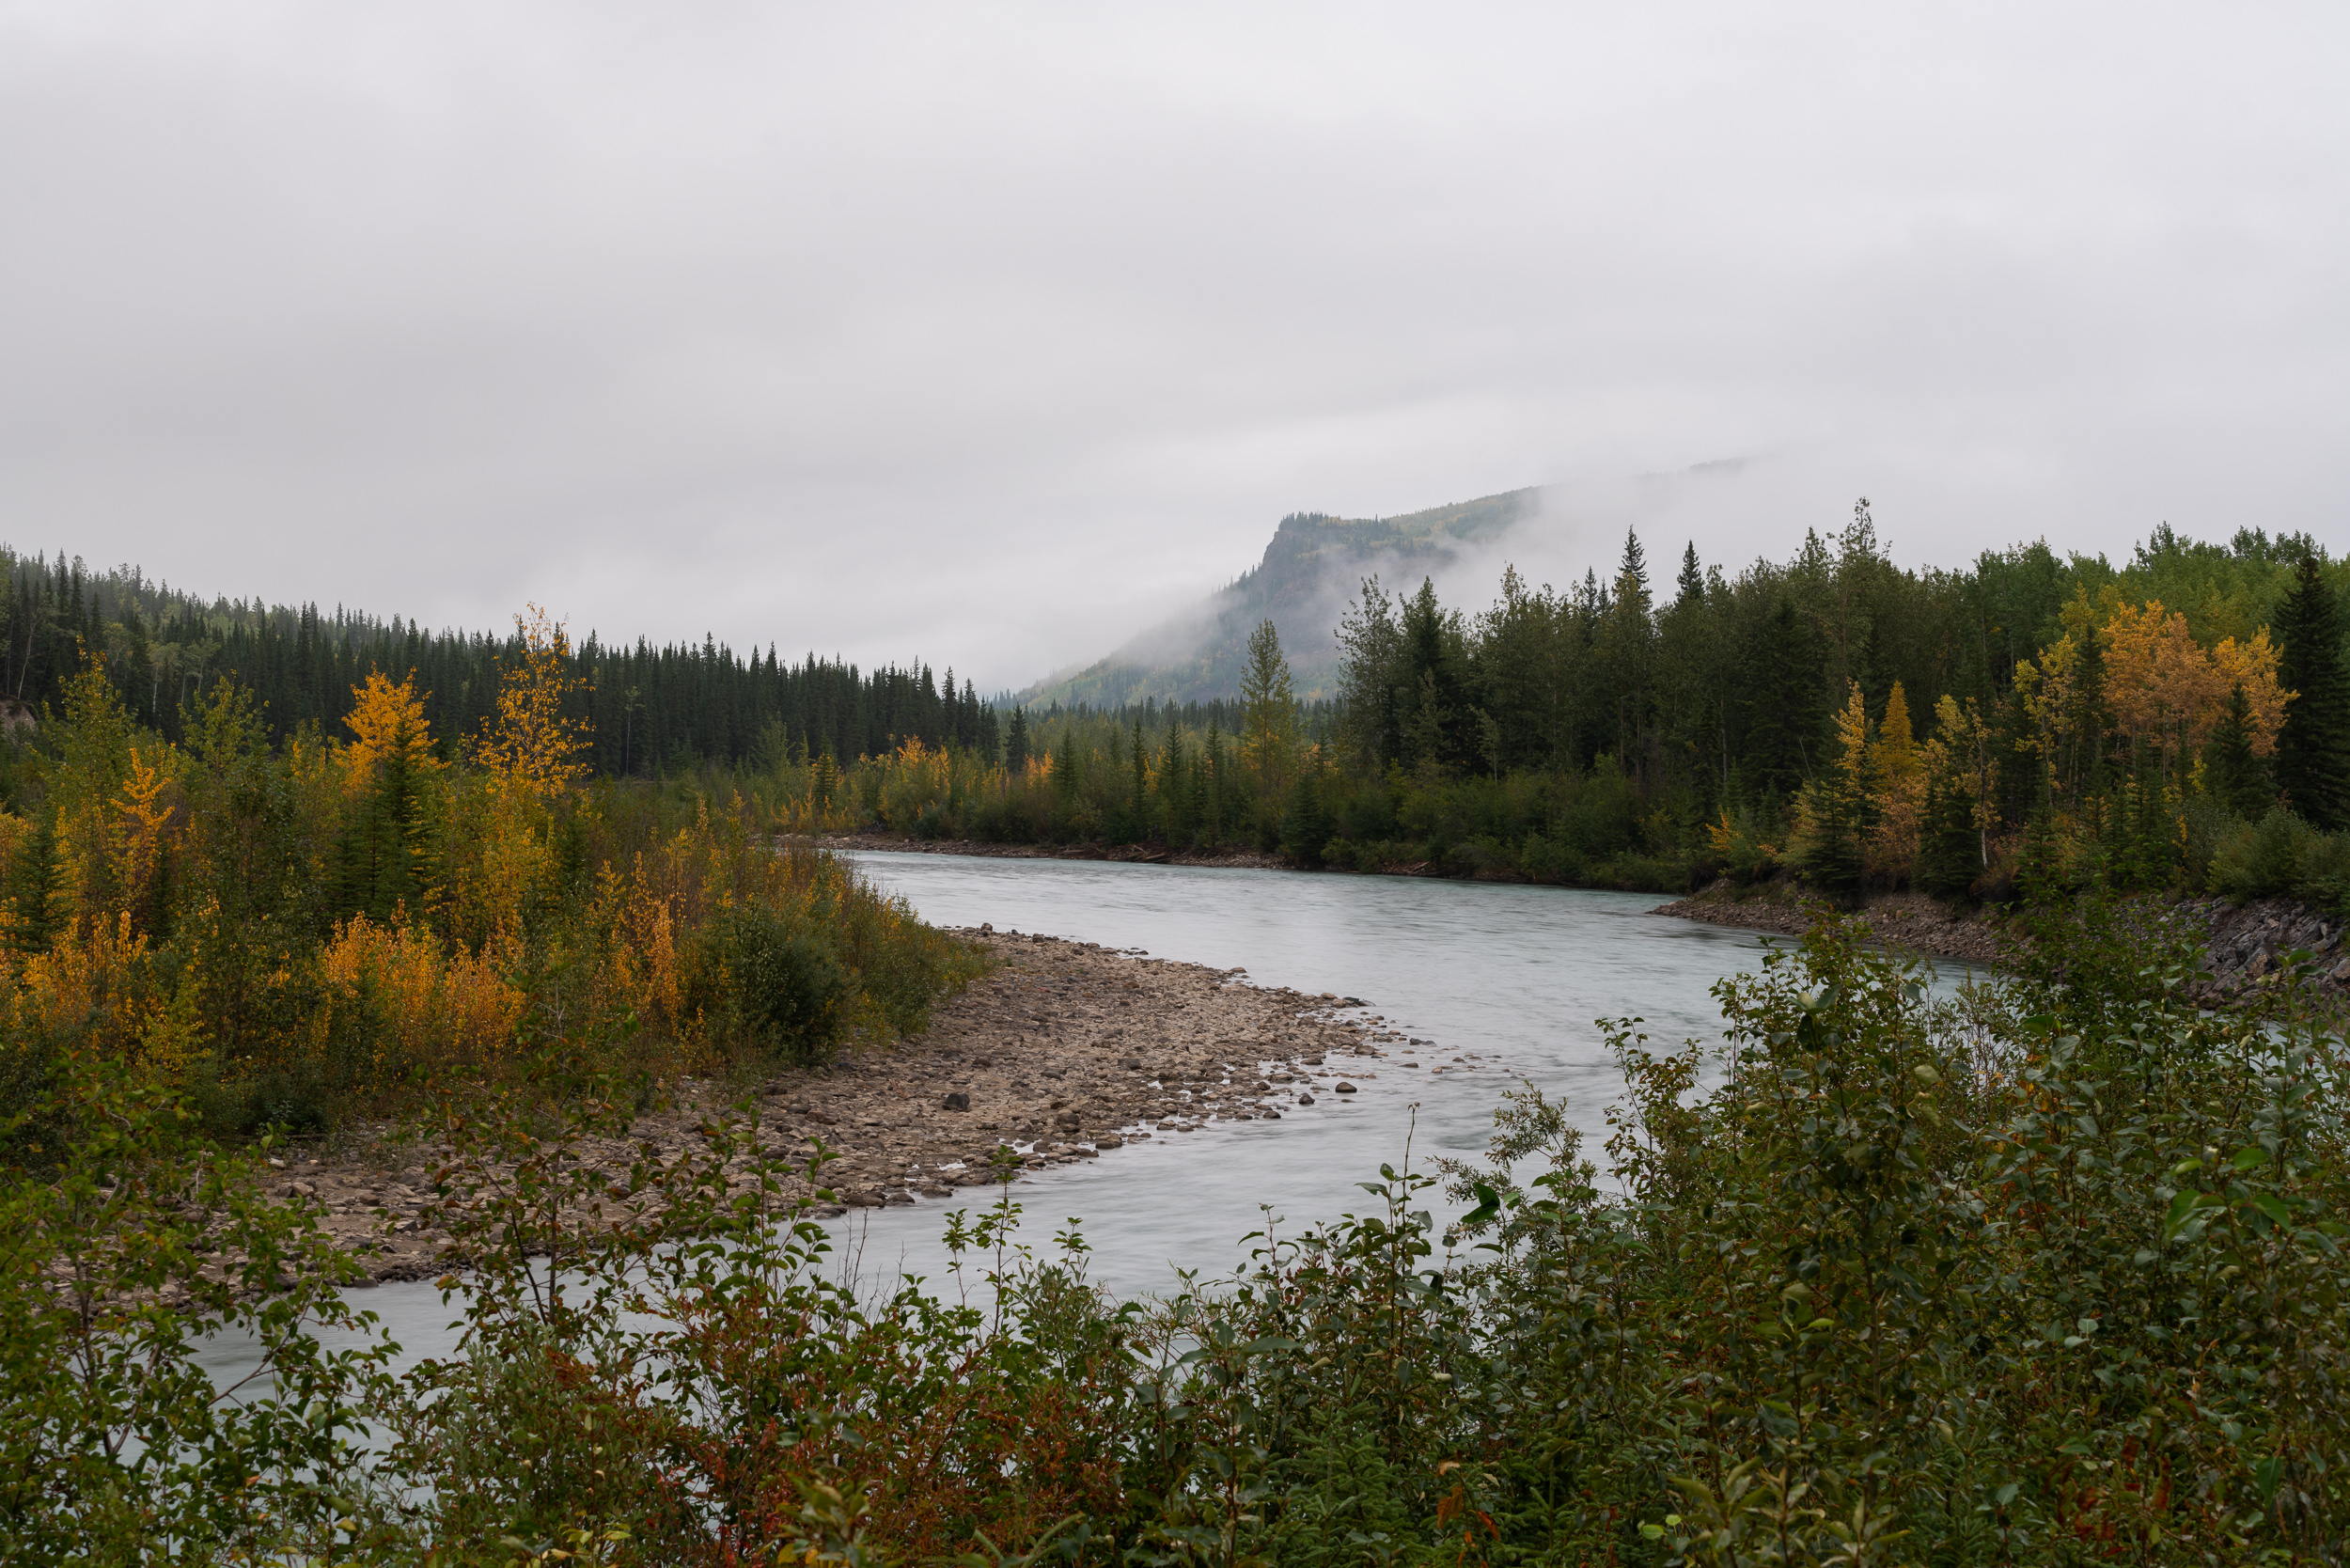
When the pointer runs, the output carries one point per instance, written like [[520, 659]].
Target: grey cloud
[[991, 334]]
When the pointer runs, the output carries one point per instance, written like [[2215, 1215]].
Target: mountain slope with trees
[[2176, 720], [1308, 574]]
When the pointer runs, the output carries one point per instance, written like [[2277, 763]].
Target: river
[[1506, 984]]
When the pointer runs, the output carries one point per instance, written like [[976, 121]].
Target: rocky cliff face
[[1311, 571]]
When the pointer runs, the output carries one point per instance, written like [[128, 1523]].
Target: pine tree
[[1016, 743], [1948, 859], [2234, 776], [2313, 748], [1269, 711], [1305, 825], [1691, 588]]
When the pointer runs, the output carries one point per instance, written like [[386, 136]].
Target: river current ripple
[[1509, 979]]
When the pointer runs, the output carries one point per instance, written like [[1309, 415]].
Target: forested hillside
[[648, 709]]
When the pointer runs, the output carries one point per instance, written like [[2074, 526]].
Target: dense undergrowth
[[2049, 1273], [291, 934]]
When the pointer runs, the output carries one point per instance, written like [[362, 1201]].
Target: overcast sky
[[986, 332]]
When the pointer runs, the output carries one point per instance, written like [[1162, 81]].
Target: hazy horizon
[[994, 336]]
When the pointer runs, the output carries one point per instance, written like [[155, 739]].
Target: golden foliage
[[442, 1010], [530, 745], [1963, 756], [147, 818], [2252, 665], [1897, 774], [386, 721], [2166, 692], [2056, 698]]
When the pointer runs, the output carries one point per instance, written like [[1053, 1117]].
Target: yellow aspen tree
[[530, 745], [2163, 691], [2051, 690], [1973, 760], [1897, 772], [529, 750], [2252, 665]]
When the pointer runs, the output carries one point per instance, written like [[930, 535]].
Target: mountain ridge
[[1312, 568]]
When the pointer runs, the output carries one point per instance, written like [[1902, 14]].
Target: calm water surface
[[1509, 979]]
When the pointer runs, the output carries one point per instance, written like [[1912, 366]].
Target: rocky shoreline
[[1064, 1051], [2244, 943], [1911, 921]]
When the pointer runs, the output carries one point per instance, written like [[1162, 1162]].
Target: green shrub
[[2262, 859], [770, 987]]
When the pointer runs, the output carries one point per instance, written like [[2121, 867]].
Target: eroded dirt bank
[[1066, 1051]]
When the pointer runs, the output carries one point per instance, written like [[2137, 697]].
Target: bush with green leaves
[[127, 1244], [770, 986], [2050, 1272]]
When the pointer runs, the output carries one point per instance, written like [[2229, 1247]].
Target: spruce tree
[[1783, 702], [2313, 748], [1691, 588], [1948, 857], [2234, 776], [1142, 776], [1305, 825], [1016, 743], [36, 887]]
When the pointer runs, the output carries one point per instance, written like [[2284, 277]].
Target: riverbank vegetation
[[292, 930], [2048, 1273], [2181, 722]]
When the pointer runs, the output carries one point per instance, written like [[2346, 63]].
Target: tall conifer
[[2234, 775], [2313, 748]]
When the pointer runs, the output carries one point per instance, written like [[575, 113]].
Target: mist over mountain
[[1312, 570]]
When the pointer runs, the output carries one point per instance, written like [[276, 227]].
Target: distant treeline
[[651, 709], [1854, 721], [2179, 720]]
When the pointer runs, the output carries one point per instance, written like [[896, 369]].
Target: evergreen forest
[[2180, 721]]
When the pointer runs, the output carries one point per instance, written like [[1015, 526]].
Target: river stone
[[1305, 1099], [958, 1101], [1342, 1087]]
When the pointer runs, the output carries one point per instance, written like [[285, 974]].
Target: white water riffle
[[1511, 978]]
